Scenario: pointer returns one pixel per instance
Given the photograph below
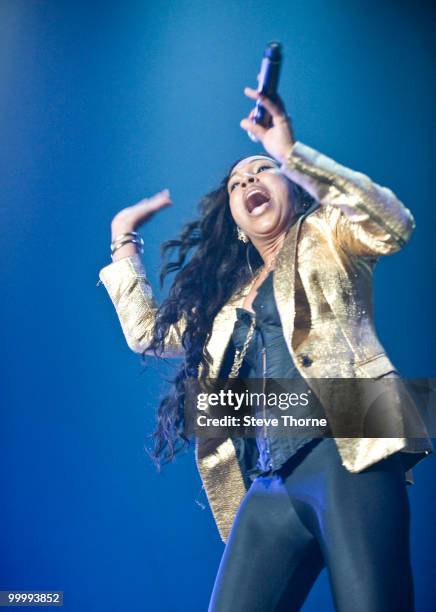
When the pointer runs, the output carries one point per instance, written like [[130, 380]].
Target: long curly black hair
[[218, 267]]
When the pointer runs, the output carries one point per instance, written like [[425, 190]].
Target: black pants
[[312, 514]]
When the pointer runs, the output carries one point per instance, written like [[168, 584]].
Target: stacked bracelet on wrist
[[126, 238]]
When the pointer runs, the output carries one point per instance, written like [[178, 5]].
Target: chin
[[265, 229]]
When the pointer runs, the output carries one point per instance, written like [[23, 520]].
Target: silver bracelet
[[121, 236], [127, 241], [134, 234]]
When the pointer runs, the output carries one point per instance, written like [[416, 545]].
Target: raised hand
[[132, 217], [129, 219], [278, 138]]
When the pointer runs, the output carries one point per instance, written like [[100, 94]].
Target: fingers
[[160, 198], [163, 197], [251, 93], [257, 130], [156, 201], [276, 108]]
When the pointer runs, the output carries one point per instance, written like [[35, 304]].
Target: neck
[[269, 249]]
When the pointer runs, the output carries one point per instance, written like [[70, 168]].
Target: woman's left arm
[[367, 219]]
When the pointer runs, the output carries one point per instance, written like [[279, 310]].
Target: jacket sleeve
[[367, 219], [131, 293]]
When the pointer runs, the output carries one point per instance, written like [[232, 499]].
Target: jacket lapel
[[284, 281]]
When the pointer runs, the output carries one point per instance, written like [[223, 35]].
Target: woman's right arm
[[128, 287]]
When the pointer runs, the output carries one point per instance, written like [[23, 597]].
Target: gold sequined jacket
[[323, 289]]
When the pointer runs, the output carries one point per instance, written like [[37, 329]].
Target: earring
[[242, 235]]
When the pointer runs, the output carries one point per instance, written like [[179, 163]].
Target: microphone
[[268, 83]]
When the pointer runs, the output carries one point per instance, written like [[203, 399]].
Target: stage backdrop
[[102, 104]]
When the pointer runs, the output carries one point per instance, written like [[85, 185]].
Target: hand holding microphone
[[268, 122]]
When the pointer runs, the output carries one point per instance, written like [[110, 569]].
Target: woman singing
[[279, 285]]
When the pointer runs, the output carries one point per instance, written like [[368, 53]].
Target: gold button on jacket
[[323, 289]]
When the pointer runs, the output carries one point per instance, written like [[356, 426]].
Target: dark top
[[265, 453]]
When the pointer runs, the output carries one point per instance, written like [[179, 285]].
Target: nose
[[248, 179]]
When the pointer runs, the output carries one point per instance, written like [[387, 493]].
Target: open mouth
[[255, 198]]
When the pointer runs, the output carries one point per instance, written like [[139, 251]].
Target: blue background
[[103, 104]]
